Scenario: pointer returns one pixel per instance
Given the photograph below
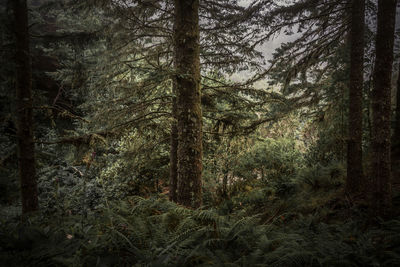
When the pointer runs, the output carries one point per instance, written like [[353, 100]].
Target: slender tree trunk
[[354, 146], [186, 39], [25, 144], [225, 186], [173, 156], [381, 109]]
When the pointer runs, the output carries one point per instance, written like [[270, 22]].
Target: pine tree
[[381, 109], [189, 116], [139, 48]]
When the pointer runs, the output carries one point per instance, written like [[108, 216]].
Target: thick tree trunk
[[186, 38], [26, 149], [396, 136], [173, 156], [354, 146], [381, 109]]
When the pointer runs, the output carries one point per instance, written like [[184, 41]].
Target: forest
[[200, 133]]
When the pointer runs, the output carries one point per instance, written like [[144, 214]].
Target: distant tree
[[25, 138], [354, 145], [381, 109]]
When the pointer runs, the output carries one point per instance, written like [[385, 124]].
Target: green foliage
[[271, 159], [134, 165], [325, 177], [325, 136], [245, 163], [149, 232]]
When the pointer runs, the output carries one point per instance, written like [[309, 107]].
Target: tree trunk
[[173, 157], [225, 186], [354, 145], [186, 39], [396, 136], [25, 144], [381, 109]]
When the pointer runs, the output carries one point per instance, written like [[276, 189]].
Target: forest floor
[[307, 223]]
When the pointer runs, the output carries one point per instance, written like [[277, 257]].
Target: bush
[[270, 159], [323, 177]]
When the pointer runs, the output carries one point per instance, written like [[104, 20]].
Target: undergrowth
[[300, 217], [157, 232]]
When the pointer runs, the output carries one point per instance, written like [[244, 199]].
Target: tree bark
[[25, 144], [381, 109], [354, 145], [186, 39], [396, 136], [173, 156]]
